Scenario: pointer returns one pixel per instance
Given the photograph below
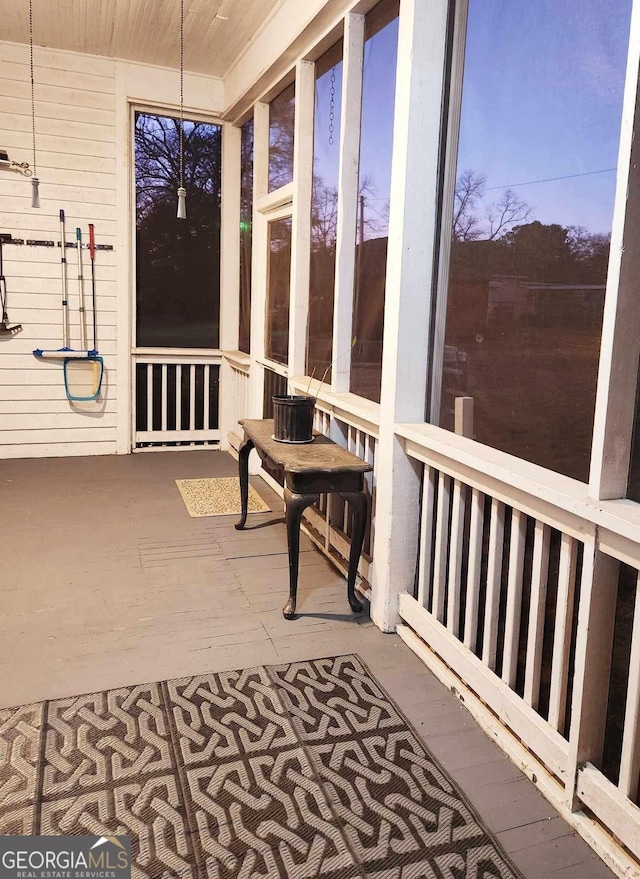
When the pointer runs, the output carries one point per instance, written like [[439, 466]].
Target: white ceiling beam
[[276, 48]]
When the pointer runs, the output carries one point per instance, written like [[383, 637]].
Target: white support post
[[229, 271], [347, 200], [620, 346], [594, 642], [258, 257], [463, 417], [125, 268], [459, 25], [301, 227], [413, 217], [230, 238]]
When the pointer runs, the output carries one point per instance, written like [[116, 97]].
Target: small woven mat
[[217, 497], [306, 770]]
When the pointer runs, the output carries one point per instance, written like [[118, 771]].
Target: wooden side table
[[309, 470]]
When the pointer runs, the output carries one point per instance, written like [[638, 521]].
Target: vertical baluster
[[473, 572], [494, 576], [335, 504], [369, 455], [592, 663], [442, 547], [243, 397], [562, 632], [163, 397], [374, 482], [326, 509], [630, 762], [455, 557], [192, 397], [514, 597], [539, 578], [370, 458], [426, 533], [149, 396], [328, 501], [207, 394], [179, 397]]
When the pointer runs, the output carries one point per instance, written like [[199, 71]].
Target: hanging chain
[[181, 92], [332, 104], [33, 103]]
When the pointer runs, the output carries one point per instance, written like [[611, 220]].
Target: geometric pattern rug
[[301, 770], [217, 497]]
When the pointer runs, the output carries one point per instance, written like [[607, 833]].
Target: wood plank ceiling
[[217, 32]]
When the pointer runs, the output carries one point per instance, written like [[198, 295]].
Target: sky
[[326, 154], [542, 98], [378, 98]]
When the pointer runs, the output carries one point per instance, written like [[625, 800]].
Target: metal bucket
[[293, 418]]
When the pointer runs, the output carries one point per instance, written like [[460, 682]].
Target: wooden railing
[[515, 609], [353, 423], [237, 371], [176, 398]]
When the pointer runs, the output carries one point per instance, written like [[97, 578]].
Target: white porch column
[[301, 227], [229, 270], [125, 266], [410, 264], [347, 200], [620, 346], [258, 256]]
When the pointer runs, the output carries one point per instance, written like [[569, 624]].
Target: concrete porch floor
[[105, 581]]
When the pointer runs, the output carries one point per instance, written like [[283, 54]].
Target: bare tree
[[324, 215], [157, 161], [584, 244], [470, 189], [473, 220], [281, 128], [503, 214]]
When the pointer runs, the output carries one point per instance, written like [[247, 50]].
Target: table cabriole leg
[[359, 501], [243, 473], [295, 505]]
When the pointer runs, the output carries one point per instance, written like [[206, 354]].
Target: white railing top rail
[[350, 408], [187, 354], [272, 365], [238, 359], [558, 500]]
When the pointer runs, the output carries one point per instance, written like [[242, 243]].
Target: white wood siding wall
[[83, 139], [76, 163]]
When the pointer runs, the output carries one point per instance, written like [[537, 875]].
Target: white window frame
[[620, 339]]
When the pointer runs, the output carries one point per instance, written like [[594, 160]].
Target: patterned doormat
[[217, 497], [289, 771]]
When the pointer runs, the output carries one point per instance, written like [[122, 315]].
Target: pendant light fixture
[[182, 192], [35, 194]]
